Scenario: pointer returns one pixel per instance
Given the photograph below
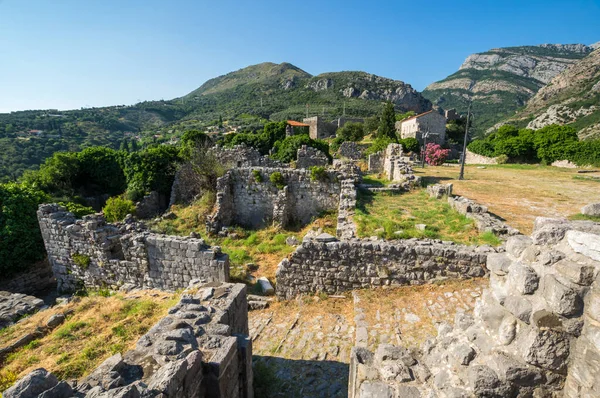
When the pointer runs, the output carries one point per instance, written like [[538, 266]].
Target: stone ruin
[[201, 349], [394, 165], [92, 253], [14, 306], [324, 264], [534, 332], [308, 157], [484, 220], [248, 197], [185, 189], [351, 150]]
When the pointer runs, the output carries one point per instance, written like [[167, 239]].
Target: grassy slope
[[97, 328]]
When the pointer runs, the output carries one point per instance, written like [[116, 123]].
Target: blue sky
[[68, 54]]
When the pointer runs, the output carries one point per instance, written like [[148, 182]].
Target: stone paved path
[[303, 346], [306, 345]]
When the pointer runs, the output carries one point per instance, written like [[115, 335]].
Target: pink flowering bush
[[435, 155]]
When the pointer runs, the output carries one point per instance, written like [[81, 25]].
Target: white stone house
[[416, 126]]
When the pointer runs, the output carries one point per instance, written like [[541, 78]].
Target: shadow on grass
[[298, 378], [430, 180]]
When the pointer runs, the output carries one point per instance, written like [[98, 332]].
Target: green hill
[[244, 99]]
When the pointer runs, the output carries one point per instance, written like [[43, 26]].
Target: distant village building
[[451, 115], [292, 127], [320, 128], [429, 122]]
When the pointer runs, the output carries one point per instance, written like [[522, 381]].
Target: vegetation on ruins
[[277, 179], [318, 173], [117, 208], [396, 216], [81, 260], [257, 176]]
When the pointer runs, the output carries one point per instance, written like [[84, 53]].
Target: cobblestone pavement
[[408, 315], [303, 346], [306, 345]]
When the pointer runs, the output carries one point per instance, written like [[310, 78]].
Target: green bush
[[77, 209], [152, 169], [351, 132], [117, 208], [277, 179], [318, 173], [550, 142], [21, 241], [410, 145], [379, 145], [81, 260], [257, 176], [287, 150], [483, 148]]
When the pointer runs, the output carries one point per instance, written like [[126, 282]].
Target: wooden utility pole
[[464, 153]]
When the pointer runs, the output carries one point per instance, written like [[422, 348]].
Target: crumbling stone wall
[[201, 349], [351, 150], [534, 332], [376, 162], [319, 128], [308, 157], [93, 253], [350, 176], [331, 266], [252, 202], [484, 220], [395, 165]]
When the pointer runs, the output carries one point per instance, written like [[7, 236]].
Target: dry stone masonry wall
[[201, 349], [327, 265], [248, 197], [308, 157], [349, 178], [534, 332], [93, 253], [36, 279]]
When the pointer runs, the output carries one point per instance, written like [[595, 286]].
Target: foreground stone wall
[[331, 266], [484, 220], [96, 254], [534, 332], [201, 349], [248, 198]]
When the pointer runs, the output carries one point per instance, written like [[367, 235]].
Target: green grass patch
[[69, 331], [584, 217], [397, 216]]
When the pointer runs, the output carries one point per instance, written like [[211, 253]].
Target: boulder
[[266, 286], [523, 278], [55, 320], [32, 385], [592, 209]]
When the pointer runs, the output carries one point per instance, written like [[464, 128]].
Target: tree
[[21, 241], [152, 169], [286, 150], [371, 124], [387, 123], [351, 132], [550, 142]]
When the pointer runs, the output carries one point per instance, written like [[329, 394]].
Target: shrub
[[318, 173], [502, 159], [277, 179], [351, 132], [21, 241], [483, 148], [550, 142], [81, 260], [77, 209], [379, 145], [410, 144], [287, 149], [435, 155], [257, 176], [117, 208]]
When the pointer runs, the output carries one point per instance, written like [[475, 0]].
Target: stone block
[[584, 243], [515, 245], [372, 389], [581, 274], [592, 209], [519, 306], [561, 299], [546, 349], [523, 278]]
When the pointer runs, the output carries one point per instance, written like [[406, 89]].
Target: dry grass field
[[520, 193], [96, 328]]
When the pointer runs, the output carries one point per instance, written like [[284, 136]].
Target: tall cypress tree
[[387, 122]]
